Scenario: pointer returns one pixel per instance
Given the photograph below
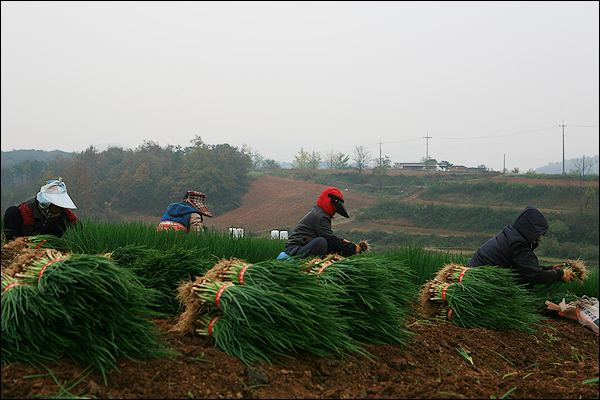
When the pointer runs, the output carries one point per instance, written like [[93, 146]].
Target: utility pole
[[563, 126], [427, 146], [380, 163]]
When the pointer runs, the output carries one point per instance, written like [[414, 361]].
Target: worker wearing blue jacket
[[185, 215]]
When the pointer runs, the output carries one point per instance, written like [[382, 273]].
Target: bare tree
[[583, 166], [329, 158], [361, 157]]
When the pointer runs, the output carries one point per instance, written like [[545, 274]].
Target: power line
[[487, 137], [497, 136]]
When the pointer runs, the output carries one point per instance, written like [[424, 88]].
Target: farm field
[[560, 360]]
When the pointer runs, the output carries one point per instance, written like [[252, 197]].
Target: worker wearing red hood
[[313, 235]]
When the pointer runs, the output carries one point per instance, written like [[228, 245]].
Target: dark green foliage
[[48, 242], [588, 287], [163, 270], [423, 264], [377, 293], [506, 193], [83, 306], [572, 226], [488, 298], [96, 237], [279, 310]]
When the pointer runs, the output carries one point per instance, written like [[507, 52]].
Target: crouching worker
[[513, 248], [313, 235], [45, 214], [185, 215]]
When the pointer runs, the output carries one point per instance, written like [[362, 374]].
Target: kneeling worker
[[45, 214], [313, 235]]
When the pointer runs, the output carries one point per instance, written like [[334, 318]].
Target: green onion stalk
[[95, 310], [162, 270], [558, 297], [493, 275], [27, 324], [278, 319], [476, 303], [378, 291], [47, 242]]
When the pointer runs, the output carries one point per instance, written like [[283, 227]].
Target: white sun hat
[[55, 192]]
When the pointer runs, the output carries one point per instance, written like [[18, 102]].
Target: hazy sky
[[484, 80]]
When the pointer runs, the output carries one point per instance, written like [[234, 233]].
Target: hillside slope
[[276, 203], [279, 203]]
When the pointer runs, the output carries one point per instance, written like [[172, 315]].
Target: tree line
[[144, 180]]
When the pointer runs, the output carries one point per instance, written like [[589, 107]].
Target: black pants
[[13, 225], [316, 247]]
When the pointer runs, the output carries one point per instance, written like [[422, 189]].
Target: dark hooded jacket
[[513, 248], [317, 223]]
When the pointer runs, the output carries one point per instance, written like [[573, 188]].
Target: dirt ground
[[555, 362]]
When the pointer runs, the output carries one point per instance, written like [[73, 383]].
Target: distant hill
[[557, 167], [14, 157]]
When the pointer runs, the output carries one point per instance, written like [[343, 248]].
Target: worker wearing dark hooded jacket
[[313, 235], [513, 248]]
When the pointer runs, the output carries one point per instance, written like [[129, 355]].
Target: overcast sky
[[488, 82]]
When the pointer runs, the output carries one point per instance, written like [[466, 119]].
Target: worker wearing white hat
[[45, 214]]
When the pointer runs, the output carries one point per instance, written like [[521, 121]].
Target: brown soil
[[555, 362]]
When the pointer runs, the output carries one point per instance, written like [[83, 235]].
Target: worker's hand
[[568, 275], [559, 265], [358, 249]]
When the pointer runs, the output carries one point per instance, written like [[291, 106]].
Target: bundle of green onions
[[47, 242], [275, 309], [82, 305], [578, 267], [377, 293], [486, 297], [27, 323], [194, 308], [162, 270]]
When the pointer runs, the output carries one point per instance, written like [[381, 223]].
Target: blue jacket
[[513, 248], [179, 212]]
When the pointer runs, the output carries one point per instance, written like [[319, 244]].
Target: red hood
[[325, 202]]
